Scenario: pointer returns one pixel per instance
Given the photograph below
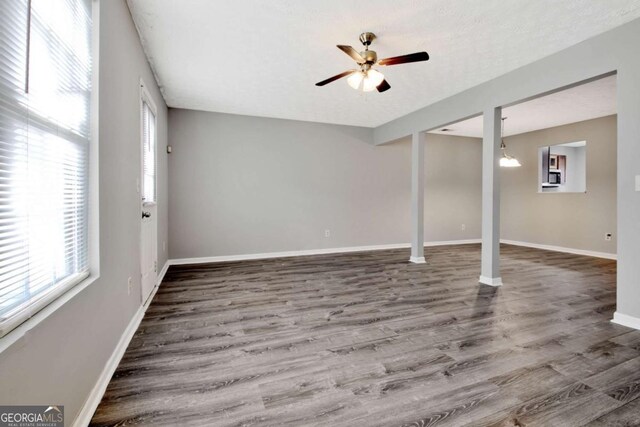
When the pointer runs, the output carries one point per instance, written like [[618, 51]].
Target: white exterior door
[[148, 246], [149, 227]]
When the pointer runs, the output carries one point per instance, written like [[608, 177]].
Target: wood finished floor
[[370, 339]]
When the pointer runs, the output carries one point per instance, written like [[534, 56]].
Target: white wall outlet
[[607, 236], [129, 285], [637, 182], [164, 246], [463, 227], [327, 233], [138, 185]]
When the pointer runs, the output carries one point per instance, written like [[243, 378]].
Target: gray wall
[[61, 359], [247, 185], [571, 220], [452, 188]]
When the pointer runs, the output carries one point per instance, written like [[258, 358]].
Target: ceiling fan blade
[[336, 77], [384, 86], [352, 53], [404, 59]]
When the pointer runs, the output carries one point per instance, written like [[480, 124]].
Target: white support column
[[417, 198], [628, 194], [490, 265]]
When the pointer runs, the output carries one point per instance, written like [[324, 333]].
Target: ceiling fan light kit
[[367, 78], [370, 80], [355, 80]]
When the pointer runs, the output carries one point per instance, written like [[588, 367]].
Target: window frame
[[145, 98], [50, 301]]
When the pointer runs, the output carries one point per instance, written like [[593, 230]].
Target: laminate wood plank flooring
[[370, 339]]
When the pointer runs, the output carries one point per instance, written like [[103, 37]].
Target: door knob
[[146, 214]]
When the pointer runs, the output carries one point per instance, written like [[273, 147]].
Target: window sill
[[42, 314]]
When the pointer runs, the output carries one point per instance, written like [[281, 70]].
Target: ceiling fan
[[365, 76]]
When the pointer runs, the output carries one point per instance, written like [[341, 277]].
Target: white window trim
[[145, 97], [60, 295]]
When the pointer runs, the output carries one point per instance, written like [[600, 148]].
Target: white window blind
[[45, 97], [148, 152]]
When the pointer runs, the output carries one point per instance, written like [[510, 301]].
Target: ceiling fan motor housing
[[369, 56]]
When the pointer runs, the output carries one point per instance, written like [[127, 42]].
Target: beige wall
[[571, 220]]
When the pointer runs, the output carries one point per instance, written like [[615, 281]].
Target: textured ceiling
[[262, 58], [585, 102]]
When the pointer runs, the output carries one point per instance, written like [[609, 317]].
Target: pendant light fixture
[[506, 161]]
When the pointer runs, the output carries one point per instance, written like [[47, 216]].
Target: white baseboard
[[91, 404], [626, 320], [417, 260], [491, 281], [287, 254], [560, 249], [307, 252], [163, 272]]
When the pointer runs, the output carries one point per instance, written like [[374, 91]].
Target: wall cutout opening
[[563, 168]]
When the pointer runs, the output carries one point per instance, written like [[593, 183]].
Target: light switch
[[637, 182]]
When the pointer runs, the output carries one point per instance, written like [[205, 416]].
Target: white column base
[[626, 320], [491, 281], [418, 260]]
